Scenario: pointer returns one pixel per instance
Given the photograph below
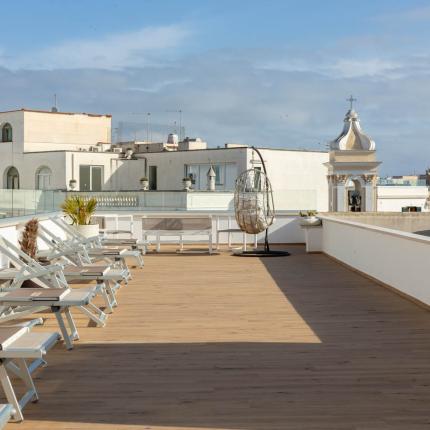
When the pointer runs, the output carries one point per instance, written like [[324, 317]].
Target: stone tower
[[352, 169]]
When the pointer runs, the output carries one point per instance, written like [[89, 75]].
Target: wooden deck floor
[[221, 342]]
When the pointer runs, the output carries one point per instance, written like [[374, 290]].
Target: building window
[[43, 178], [6, 133], [152, 177], [219, 172], [257, 178], [90, 178], [12, 179], [225, 178]]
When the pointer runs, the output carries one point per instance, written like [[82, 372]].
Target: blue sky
[[270, 73]]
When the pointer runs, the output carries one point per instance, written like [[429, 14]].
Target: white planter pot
[[313, 238], [144, 185], [310, 220], [187, 185], [89, 230]]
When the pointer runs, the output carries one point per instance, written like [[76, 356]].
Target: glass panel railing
[[15, 203]]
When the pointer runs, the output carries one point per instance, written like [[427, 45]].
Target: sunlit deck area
[[222, 342]]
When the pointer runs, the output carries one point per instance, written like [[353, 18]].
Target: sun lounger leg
[[35, 364], [74, 331], [10, 394], [68, 340], [123, 266], [25, 375], [111, 293], [108, 296], [99, 317]]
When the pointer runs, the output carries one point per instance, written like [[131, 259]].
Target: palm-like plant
[[28, 240], [79, 210]]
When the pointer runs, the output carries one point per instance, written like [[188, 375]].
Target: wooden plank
[[223, 342]]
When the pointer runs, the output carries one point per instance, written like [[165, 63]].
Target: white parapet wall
[[392, 198], [397, 259], [285, 229]]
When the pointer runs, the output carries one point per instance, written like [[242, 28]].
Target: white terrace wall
[[392, 198], [398, 259], [285, 229], [410, 222]]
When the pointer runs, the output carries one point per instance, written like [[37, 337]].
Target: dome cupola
[[352, 137]]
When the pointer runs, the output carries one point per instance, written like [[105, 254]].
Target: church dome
[[352, 137]]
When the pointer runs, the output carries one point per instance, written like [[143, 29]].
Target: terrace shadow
[[251, 386]]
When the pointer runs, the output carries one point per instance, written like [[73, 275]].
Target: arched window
[[6, 133], [12, 179], [43, 178]]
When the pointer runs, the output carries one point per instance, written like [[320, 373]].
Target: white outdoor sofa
[[178, 229]]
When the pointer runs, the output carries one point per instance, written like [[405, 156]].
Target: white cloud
[[353, 68], [117, 51], [271, 97], [337, 67], [160, 85]]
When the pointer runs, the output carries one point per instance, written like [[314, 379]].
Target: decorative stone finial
[[211, 175]]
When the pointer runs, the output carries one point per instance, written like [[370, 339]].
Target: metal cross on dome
[[351, 101]]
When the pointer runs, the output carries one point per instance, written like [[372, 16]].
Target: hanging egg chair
[[253, 201], [254, 207]]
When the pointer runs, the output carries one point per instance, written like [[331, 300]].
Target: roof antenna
[[54, 108]]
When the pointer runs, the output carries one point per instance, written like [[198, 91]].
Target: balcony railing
[[27, 202]]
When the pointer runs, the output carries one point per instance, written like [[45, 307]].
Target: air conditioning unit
[[117, 150]]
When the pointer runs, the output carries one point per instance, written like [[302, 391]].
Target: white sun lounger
[[80, 254], [98, 242], [109, 237], [59, 306], [19, 345], [51, 276], [79, 266]]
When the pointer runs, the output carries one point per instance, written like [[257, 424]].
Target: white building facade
[[46, 150], [63, 151]]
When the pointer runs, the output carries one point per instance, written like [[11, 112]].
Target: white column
[[341, 197], [370, 193]]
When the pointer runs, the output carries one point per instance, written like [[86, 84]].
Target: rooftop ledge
[[338, 217]]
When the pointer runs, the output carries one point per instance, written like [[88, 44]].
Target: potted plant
[[309, 218], [187, 183], [144, 183], [28, 244], [80, 210], [28, 240], [72, 184]]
